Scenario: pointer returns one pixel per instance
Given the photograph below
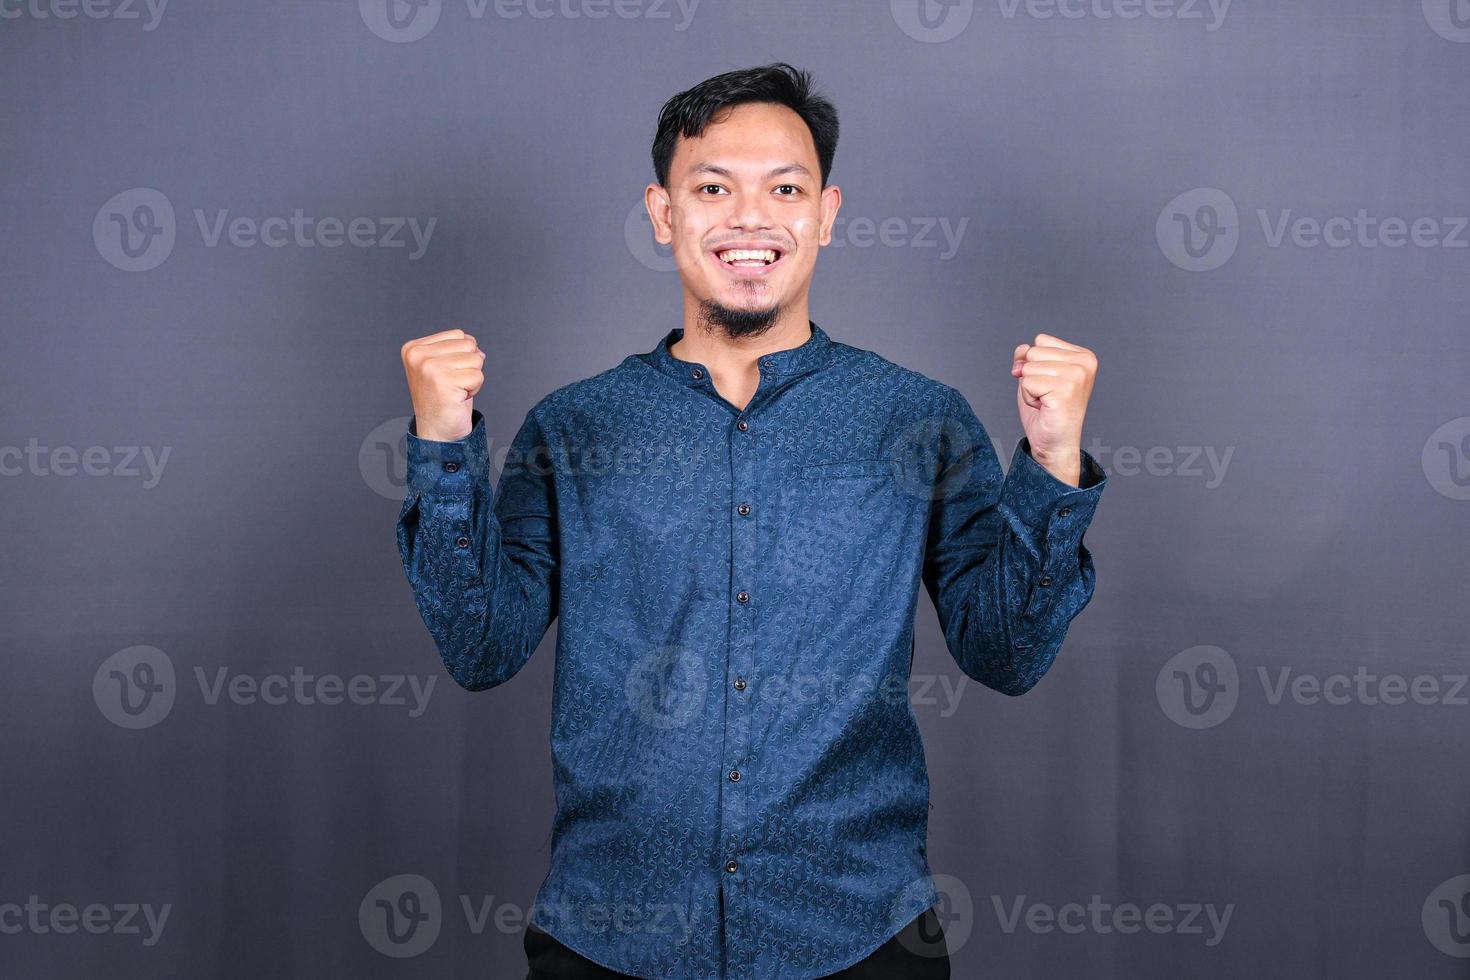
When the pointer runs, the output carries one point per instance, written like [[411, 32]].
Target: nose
[[749, 211]]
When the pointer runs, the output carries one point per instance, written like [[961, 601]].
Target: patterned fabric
[[740, 782]]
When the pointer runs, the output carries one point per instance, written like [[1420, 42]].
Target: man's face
[[750, 182]]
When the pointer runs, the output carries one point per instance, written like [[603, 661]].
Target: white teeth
[[766, 255]]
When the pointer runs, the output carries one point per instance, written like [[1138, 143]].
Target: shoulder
[[900, 384], [581, 394]]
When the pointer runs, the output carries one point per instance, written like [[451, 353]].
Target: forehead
[[753, 136]]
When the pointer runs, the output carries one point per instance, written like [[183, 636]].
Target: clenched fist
[[444, 373], [1055, 384]]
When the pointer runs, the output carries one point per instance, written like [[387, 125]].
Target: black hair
[[687, 113]]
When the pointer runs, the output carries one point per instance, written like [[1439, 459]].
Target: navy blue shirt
[[740, 781]]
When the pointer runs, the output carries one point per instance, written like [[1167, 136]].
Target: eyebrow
[[788, 168]]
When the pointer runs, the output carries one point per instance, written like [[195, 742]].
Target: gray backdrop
[[227, 735]]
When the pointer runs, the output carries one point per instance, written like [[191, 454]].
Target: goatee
[[737, 323]]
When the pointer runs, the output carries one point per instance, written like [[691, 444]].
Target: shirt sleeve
[[482, 566], [1004, 563]]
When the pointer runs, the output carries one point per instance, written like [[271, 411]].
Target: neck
[[733, 356]]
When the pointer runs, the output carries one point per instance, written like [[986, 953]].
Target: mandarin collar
[[790, 362]]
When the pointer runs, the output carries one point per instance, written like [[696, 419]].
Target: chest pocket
[[841, 519], [846, 469]]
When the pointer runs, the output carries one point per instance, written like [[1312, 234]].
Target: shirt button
[[731, 866], [451, 467], [696, 374], [1064, 512], [742, 596], [462, 542], [742, 425], [744, 510], [1045, 580], [734, 775], [740, 683]]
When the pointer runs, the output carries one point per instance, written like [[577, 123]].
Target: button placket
[[745, 468]]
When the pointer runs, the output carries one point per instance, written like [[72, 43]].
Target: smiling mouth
[[748, 261]]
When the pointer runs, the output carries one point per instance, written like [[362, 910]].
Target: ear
[[831, 201], [660, 213]]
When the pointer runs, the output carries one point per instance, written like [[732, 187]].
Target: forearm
[[1007, 614], [485, 600]]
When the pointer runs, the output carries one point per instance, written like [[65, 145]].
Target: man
[[731, 529]]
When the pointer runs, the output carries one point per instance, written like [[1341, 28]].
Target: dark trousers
[[918, 952]]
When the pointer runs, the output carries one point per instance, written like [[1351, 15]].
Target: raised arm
[[1005, 564], [482, 565]]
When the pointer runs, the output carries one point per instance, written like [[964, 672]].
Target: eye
[[703, 186], [792, 186]]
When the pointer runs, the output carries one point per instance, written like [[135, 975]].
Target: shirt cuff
[[448, 467], [1044, 503]]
